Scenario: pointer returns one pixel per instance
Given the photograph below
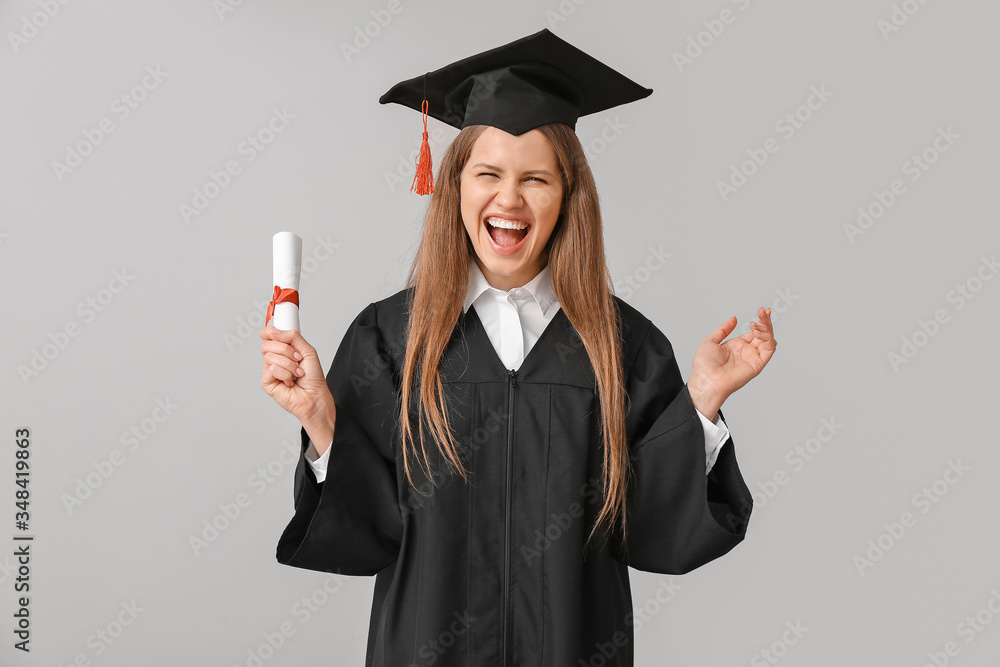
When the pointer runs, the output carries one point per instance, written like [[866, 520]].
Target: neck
[[505, 282]]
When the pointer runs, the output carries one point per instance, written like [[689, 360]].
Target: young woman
[[501, 439]]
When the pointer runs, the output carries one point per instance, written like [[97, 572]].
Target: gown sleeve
[[679, 518], [351, 522]]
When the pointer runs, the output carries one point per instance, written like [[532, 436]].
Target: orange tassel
[[423, 180]]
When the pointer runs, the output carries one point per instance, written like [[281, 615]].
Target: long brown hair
[[582, 283]]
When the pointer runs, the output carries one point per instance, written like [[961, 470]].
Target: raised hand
[[294, 378], [719, 369]]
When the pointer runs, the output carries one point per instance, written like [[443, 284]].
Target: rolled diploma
[[287, 271]]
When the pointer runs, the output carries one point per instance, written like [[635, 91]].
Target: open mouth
[[505, 233]]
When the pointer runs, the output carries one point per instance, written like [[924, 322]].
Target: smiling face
[[511, 182]]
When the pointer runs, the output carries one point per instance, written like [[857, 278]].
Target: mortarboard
[[516, 87]]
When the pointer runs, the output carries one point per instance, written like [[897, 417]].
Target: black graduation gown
[[492, 572]]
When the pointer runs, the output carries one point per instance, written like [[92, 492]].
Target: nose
[[509, 194]]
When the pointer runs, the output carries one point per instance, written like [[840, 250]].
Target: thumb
[[724, 330]]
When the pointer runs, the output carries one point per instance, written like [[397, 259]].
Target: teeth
[[506, 224]]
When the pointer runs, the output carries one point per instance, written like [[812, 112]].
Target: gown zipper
[[512, 379]]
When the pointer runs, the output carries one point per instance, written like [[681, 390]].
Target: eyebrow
[[492, 167]]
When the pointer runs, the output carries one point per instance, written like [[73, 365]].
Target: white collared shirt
[[514, 320]]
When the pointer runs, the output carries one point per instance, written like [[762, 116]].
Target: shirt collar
[[539, 287]]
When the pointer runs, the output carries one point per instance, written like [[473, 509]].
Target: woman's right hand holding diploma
[[293, 376]]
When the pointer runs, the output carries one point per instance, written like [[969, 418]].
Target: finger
[[280, 369], [300, 344], [270, 332], [765, 319], [765, 345], [292, 338], [282, 374], [761, 332], [724, 330], [280, 348], [284, 362], [268, 378], [269, 381]]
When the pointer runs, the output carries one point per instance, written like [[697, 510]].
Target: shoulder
[[629, 317], [393, 311], [637, 333], [632, 324], [390, 317]]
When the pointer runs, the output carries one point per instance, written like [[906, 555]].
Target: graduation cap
[[516, 87]]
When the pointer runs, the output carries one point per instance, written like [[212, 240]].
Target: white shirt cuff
[[318, 463], [716, 435]]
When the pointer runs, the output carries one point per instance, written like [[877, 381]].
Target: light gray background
[[177, 330]]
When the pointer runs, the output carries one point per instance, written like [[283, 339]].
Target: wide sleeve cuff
[[678, 518]]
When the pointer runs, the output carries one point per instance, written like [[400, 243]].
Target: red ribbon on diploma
[[281, 296]]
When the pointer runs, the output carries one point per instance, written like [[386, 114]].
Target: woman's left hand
[[719, 369]]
